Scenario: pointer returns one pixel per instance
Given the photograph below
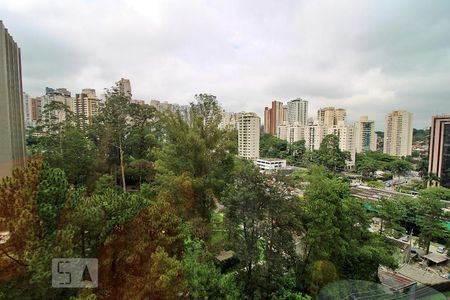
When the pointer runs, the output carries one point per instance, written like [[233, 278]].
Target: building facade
[[36, 109], [61, 95], [297, 112], [12, 127], [274, 116], [229, 120], [86, 105], [365, 137], [439, 151], [398, 133], [314, 135], [330, 116], [291, 132], [270, 164], [27, 110], [124, 87], [248, 135]]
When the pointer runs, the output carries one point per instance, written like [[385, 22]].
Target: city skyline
[[397, 60]]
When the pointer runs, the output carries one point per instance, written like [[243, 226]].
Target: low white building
[[265, 164]]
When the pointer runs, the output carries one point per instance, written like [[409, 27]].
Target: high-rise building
[[267, 111], [248, 135], [345, 134], [365, 137], [27, 110], [273, 117], [124, 87], [330, 116], [61, 95], [291, 132], [398, 133], [297, 112], [12, 127], [36, 109], [347, 139], [282, 131], [314, 134], [86, 105], [439, 151], [229, 120]]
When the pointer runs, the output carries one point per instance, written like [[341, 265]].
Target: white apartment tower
[[291, 132], [314, 135], [398, 133], [248, 135], [365, 137], [297, 112]]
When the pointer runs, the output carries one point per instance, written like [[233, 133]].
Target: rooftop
[[436, 257], [271, 159]]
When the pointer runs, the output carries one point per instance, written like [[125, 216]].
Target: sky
[[369, 57]]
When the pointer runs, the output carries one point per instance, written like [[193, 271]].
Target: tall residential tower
[[248, 135], [273, 117], [330, 116], [124, 86], [365, 137], [398, 133], [297, 112]]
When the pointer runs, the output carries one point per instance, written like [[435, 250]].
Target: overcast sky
[[369, 57]]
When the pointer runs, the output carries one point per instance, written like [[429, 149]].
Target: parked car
[[405, 238], [440, 250]]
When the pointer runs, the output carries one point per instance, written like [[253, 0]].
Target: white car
[[440, 250]]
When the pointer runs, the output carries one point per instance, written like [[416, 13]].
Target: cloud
[[369, 57]]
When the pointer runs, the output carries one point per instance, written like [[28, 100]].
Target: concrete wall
[[12, 128]]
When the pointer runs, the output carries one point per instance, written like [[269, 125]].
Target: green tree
[[64, 142], [142, 135], [50, 197], [330, 155], [335, 228], [400, 167], [19, 218], [139, 171], [271, 146], [392, 212], [142, 259], [296, 151], [431, 215], [245, 204], [203, 278], [365, 165], [109, 131], [195, 162], [261, 216], [95, 217]]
